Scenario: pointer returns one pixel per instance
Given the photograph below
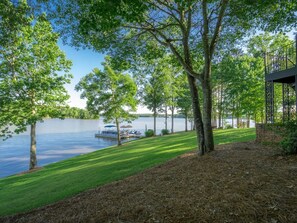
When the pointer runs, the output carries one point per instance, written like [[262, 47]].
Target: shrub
[[227, 126], [149, 133], [289, 142], [165, 131]]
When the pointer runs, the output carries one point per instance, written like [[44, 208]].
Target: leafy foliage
[[165, 132], [149, 133], [31, 63], [79, 113], [289, 142], [109, 93], [191, 31]]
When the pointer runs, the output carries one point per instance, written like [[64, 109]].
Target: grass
[[63, 179]]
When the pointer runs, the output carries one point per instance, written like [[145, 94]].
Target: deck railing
[[281, 59]]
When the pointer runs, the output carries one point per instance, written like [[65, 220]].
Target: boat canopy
[[126, 126], [110, 126]]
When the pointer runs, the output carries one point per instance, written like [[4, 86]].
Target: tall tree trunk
[[33, 158], [172, 119], [197, 114], [248, 121], [155, 121], [209, 47], [232, 120], [119, 132], [166, 117], [223, 115], [207, 105], [186, 121], [220, 107]]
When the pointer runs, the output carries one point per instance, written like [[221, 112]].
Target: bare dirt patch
[[30, 171], [242, 182]]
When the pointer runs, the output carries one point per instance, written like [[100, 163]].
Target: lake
[[61, 139]]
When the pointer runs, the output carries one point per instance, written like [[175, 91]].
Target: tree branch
[[218, 28]]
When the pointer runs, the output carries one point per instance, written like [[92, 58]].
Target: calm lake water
[[61, 139]]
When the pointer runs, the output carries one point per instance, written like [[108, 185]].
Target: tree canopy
[[109, 93], [191, 31], [33, 71]]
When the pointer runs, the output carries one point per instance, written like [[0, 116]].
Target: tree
[[31, 83], [277, 44], [110, 93], [12, 18], [242, 78], [240, 81], [174, 88], [153, 94], [185, 28], [78, 113], [183, 99]]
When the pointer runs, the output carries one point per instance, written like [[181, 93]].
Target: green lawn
[[66, 178]]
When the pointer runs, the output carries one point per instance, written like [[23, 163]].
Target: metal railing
[[281, 59]]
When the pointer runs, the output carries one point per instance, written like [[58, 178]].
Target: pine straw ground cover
[[241, 182]]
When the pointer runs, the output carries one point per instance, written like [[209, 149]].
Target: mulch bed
[[242, 182]]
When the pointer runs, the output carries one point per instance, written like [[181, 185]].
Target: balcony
[[281, 67], [280, 64]]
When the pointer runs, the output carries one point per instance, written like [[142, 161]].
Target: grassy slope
[[66, 178]]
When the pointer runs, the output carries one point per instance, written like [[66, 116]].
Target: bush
[[227, 126], [149, 133], [289, 142], [165, 131]]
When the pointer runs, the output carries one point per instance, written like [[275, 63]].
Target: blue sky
[[83, 62]]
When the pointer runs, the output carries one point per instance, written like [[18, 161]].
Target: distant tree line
[[78, 113]]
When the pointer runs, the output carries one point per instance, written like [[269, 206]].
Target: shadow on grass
[[69, 177]]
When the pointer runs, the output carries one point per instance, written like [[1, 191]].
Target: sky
[[83, 62]]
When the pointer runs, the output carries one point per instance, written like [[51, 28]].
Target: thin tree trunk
[[219, 107], [172, 119], [248, 121], [197, 114], [33, 158], [223, 115], [166, 117], [214, 110], [155, 116], [119, 133], [186, 121], [232, 115]]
